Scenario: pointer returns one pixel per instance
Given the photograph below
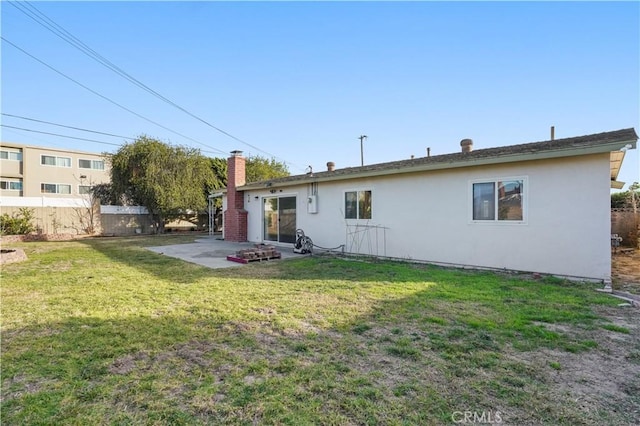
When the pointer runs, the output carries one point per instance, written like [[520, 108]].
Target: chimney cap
[[236, 153], [467, 145]]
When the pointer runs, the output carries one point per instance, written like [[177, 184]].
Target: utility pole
[[362, 137]]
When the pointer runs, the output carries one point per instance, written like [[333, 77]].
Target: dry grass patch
[[626, 271]]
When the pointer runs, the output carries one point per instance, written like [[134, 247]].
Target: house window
[[357, 205], [50, 160], [11, 155], [91, 164], [55, 188], [11, 185], [499, 200]]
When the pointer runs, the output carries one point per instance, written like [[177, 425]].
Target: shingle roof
[[552, 148]]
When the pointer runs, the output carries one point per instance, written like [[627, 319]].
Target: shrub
[[18, 223]]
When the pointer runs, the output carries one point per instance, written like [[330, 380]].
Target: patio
[[212, 252]]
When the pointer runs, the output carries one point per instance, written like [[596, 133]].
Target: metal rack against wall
[[366, 239]]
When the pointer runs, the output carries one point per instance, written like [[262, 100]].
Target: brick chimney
[[235, 217]]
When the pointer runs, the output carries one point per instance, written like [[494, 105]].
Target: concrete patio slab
[[212, 252]]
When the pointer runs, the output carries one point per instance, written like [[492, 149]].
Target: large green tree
[[219, 168], [168, 180], [259, 168]]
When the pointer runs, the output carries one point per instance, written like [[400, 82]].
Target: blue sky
[[302, 80]]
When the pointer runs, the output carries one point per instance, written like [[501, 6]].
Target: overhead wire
[[74, 128], [45, 142], [106, 98], [68, 127], [58, 135], [36, 15]]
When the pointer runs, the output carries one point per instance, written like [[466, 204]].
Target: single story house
[[536, 207]]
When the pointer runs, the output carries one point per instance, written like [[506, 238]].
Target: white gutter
[[508, 158]]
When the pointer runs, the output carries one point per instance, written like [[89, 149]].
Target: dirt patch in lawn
[[597, 380], [625, 270]]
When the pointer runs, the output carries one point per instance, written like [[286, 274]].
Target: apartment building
[[55, 183], [32, 171]]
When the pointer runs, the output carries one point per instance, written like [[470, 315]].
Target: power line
[[72, 137], [42, 19], [36, 15], [106, 98], [44, 142], [56, 134], [68, 127]]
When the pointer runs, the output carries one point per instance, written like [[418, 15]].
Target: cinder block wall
[[60, 220]]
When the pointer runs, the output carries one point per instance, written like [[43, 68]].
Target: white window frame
[[496, 221], [56, 161], [357, 191], [17, 154], [57, 188], [92, 164], [9, 182]]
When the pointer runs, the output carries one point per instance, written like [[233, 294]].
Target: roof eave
[[617, 184], [472, 162]]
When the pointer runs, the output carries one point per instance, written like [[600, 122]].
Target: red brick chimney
[[235, 217]]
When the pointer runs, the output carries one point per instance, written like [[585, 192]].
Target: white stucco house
[[536, 207]]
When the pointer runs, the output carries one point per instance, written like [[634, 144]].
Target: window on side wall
[[11, 185], [91, 164], [499, 200], [55, 188], [50, 160], [11, 155], [357, 205]]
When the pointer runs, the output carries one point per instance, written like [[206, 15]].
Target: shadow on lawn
[[211, 370], [413, 359], [132, 252]]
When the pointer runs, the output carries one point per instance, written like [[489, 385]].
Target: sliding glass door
[[280, 219]]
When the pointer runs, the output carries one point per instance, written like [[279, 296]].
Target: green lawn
[[103, 331]]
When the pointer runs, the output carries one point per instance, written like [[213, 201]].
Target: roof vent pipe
[[331, 166], [467, 145], [553, 132], [428, 152]]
